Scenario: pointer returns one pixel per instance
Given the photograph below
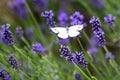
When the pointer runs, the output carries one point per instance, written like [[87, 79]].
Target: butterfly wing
[[60, 31], [73, 31]]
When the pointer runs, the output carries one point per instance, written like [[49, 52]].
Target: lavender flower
[[37, 47], [93, 41], [93, 50], [109, 55], [48, 15], [77, 19], [13, 62], [7, 77], [76, 58], [64, 52], [110, 20], [40, 4], [97, 31], [71, 58], [4, 76], [79, 59], [19, 32], [6, 35], [29, 33], [63, 41], [19, 8], [78, 76], [2, 72], [63, 18]]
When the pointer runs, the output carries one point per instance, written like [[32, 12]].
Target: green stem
[[106, 50], [80, 45], [89, 72], [25, 41], [97, 71], [20, 52], [84, 33], [88, 78]]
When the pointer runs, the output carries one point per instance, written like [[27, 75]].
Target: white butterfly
[[71, 31]]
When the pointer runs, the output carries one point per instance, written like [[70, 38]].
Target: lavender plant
[[6, 35], [13, 62], [91, 55]]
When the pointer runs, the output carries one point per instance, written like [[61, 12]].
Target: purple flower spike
[[97, 31], [64, 52], [37, 47], [63, 18], [93, 50], [18, 7], [4, 76], [78, 76], [109, 55], [19, 32], [13, 62], [29, 33], [63, 41], [2, 72], [77, 58], [7, 77], [48, 15], [6, 35], [77, 19], [110, 20]]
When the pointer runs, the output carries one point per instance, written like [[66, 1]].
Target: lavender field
[[59, 40]]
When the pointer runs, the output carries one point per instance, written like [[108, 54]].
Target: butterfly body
[[65, 32]]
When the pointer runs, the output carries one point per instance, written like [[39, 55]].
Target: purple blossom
[[13, 62], [63, 18], [19, 32], [71, 58], [19, 8], [77, 19], [4, 76], [37, 47], [7, 77], [78, 76], [109, 55], [40, 4], [93, 50], [110, 20], [29, 33], [63, 41], [6, 35], [93, 41], [97, 31], [77, 58], [48, 15], [64, 52], [2, 72]]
